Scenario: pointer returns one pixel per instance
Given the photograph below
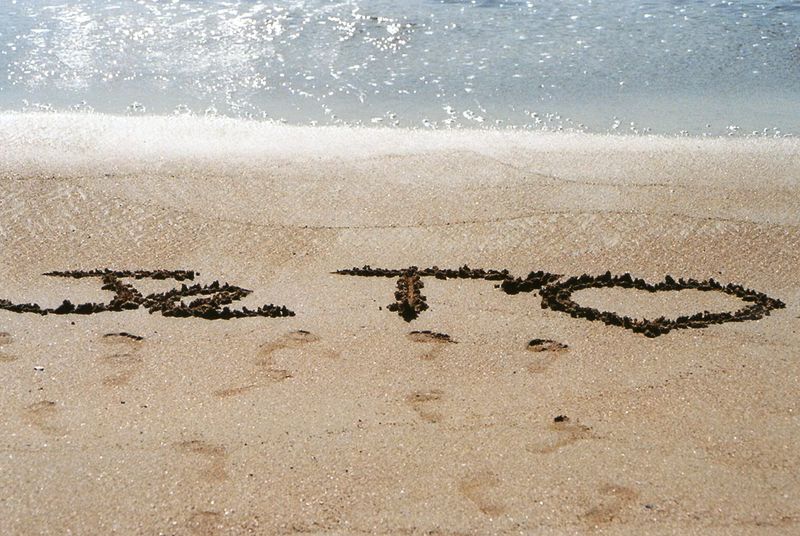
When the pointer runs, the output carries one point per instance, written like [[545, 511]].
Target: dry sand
[[339, 420]]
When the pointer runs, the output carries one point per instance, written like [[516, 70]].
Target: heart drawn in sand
[[558, 297]]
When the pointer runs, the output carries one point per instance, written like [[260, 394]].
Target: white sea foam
[[91, 143]]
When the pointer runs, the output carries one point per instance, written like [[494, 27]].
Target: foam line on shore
[[69, 143]]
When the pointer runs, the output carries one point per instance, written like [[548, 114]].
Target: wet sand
[[481, 412]]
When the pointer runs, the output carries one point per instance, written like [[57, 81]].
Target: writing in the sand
[[556, 294], [212, 301]]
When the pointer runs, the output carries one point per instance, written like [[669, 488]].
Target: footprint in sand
[[612, 502], [41, 415], [124, 364], [422, 402], [438, 342], [5, 340], [205, 523], [214, 458], [478, 488], [567, 433], [265, 364], [266, 370], [547, 352]]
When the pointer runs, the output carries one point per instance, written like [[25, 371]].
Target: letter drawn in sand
[[556, 295], [211, 301], [409, 302]]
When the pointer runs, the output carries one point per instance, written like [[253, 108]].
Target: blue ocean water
[[626, 66]]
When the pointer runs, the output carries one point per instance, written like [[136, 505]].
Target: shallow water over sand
[[705, 67]]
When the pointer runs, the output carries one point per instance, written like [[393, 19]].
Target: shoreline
[[66, 138]]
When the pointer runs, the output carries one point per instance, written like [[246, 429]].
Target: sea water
[[699, 67]]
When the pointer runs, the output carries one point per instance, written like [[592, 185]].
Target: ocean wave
[[64, 143]]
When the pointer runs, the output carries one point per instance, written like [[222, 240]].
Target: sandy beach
[[346, 418]]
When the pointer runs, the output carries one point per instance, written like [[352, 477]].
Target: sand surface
[[339, 420]]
